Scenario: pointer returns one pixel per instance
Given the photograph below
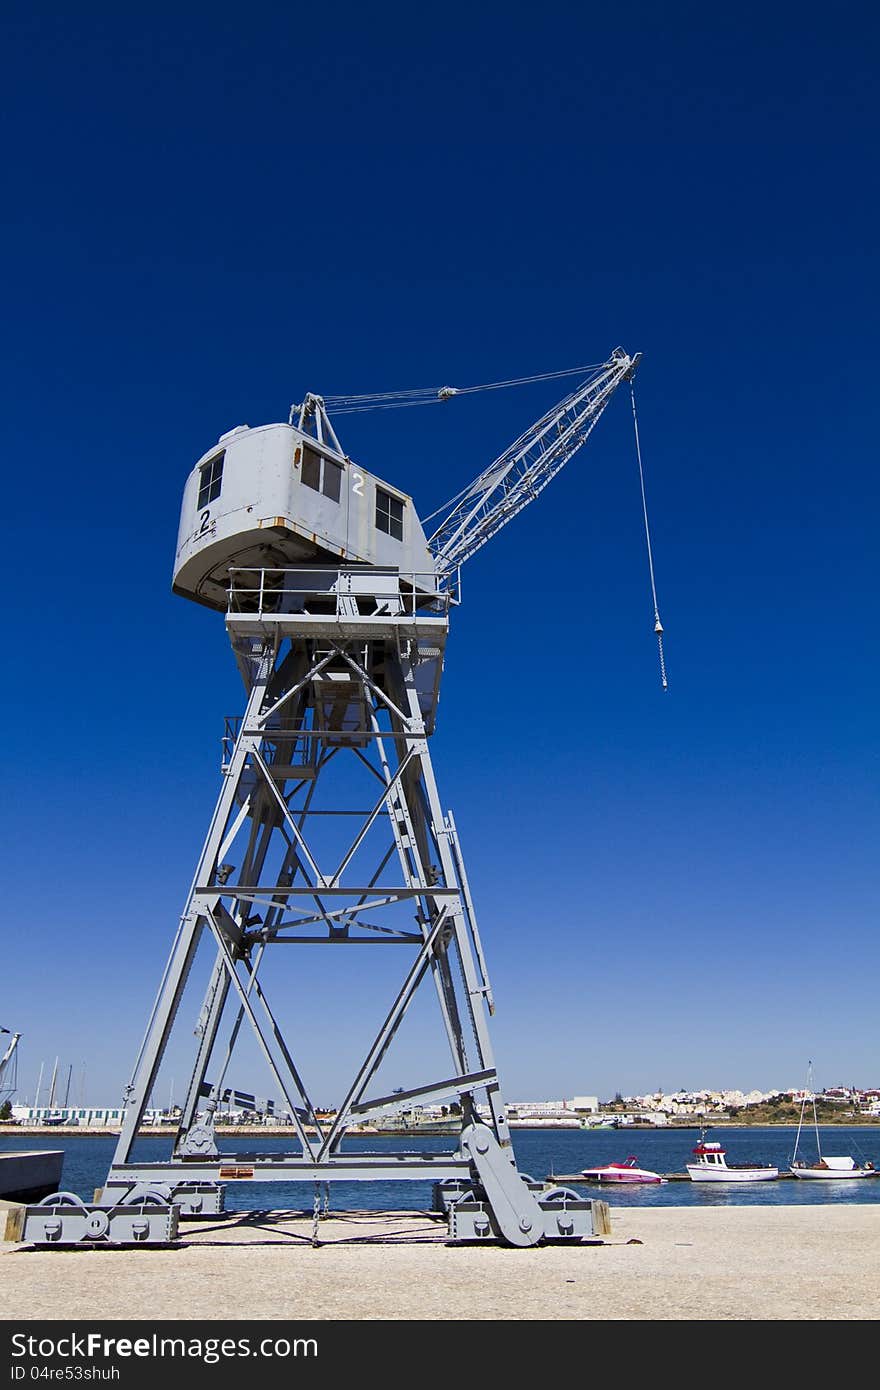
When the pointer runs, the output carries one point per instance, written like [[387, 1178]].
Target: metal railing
[[368, 591]]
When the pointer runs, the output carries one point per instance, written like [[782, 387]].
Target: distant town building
[[585, 1104]]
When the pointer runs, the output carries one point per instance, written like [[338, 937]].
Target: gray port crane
[[337, 607], [8, 1066]]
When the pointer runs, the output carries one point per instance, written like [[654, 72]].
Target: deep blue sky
[[209, 211]]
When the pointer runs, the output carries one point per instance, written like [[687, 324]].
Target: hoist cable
[[658, 626], [432, 395], [382, 405]]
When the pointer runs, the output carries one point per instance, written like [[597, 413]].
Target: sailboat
[[825, 1166]]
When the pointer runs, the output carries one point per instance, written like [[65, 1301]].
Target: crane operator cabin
[[277, 497]]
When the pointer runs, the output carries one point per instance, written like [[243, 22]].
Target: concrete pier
[[26, 1175]]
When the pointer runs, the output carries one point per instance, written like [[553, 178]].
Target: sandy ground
[[791, 1262]]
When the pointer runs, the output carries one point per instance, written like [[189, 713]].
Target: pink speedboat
[[622, 1172]]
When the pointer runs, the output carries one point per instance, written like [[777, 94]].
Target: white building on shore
[[69, 1115]]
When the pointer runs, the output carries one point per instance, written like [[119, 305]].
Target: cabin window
[[311, 469], [331, 483], [210, 480], [321, 475], [389, 514]]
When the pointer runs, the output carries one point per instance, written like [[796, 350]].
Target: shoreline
[[288, 1132]]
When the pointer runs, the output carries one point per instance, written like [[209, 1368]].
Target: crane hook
[[658, 628]]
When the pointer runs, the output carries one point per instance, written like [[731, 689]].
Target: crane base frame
[[347, 664]]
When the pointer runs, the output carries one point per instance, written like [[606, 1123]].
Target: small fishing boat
[[712, 1166], [621, 1172], [841, 1168]]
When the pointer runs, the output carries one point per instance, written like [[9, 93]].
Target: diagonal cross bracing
[[383, 1038], [244, 998], [292, 881]]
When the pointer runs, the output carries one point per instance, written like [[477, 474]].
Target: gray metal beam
[[453, 1085], [215, 890], [428, 1167]]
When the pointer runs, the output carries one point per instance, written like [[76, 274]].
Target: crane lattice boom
[[6, 1064], [525, 468]]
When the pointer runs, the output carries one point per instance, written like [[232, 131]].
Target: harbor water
[[540, 1153]]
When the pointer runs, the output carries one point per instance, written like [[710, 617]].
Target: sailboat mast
[[52, 1086], [809, 1094], [815, 1117], [797, 1139]]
